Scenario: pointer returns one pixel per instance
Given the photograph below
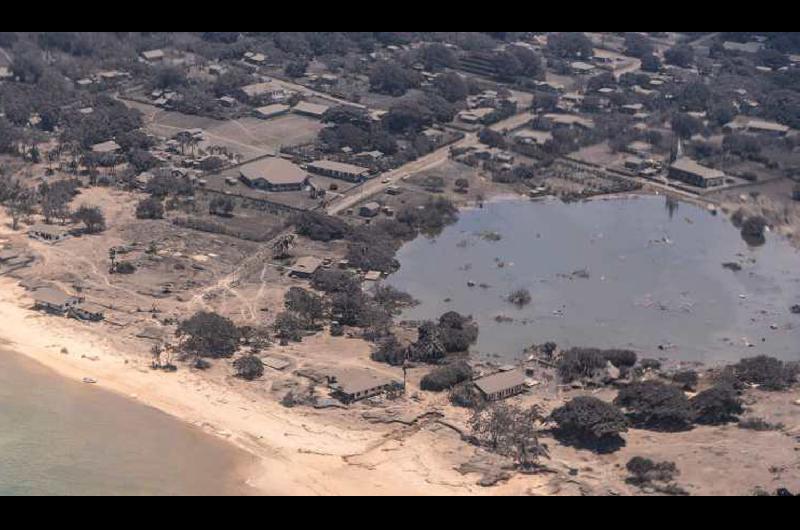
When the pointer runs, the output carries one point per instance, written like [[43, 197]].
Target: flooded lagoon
[[59, 437], [623, 272]]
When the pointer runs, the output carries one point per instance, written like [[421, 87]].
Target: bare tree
[[510, 431]]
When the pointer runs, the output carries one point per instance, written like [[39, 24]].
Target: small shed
[[305, 267], [371, 209]]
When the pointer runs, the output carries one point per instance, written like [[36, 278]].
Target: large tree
[[209, 334], [92, 218]]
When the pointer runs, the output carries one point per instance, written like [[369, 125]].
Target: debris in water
[[489, 235]]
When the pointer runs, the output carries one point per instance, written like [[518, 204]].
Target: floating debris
[[490, 236]]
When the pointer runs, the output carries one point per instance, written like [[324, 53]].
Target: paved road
[[382, 182], [433, 159]]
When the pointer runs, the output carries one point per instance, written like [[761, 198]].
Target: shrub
[[150, 208], [591, 423], [760, 425], [657, 406], [320, 227], [457, 332], [289, 326], [651, 364], [249, 367], [580, 363], [125, 267], [447, 376], [717, 405], [92, 218], [307, 305], [389, 351], [466, 395], [644, 471], [520, 297], [620, 358], [334, 281], [391, 298], [686, 379], [766, 372]]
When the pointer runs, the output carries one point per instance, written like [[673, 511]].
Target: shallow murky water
[[58, 437], [624, 272]]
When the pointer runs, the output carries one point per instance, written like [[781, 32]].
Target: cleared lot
[[251, 137]]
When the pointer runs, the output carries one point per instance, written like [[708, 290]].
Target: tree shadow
[[601, 446]]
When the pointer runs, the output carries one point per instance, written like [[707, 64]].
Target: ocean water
[[59, 437], [637, 273]]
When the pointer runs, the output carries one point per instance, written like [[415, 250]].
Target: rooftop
[[688, 165], [51, 296], [311, 108], [331, 165], [500, 381], [260, 89], [54, 230], [109, 146], [357, 381], [307, 264], [153, 54], [274, 170], [271, 110]]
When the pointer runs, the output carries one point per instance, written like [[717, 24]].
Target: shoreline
[[295, 452], [30, 341]]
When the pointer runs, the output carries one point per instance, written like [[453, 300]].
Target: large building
[[755, 125], [687, 170], [338, 170], [273, 174], [354, 385], [501, 385]]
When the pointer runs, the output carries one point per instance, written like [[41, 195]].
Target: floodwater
[[639, 272], [59, 437]]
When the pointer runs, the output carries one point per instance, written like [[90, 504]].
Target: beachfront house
[[354, 385], [53, 301]]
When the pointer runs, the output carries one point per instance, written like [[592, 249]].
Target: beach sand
[[298, 452]]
